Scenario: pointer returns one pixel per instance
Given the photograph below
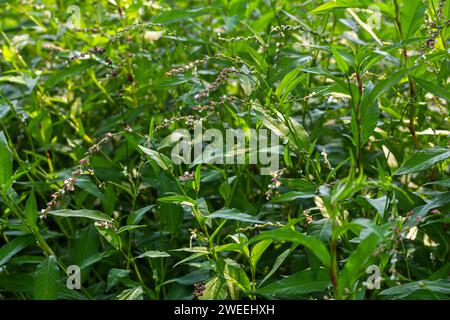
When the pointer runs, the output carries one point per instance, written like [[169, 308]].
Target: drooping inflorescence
[[69, 183], [223, 76], [187, 67]]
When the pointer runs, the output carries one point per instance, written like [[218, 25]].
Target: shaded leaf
[[131, 294], [423, 159], [407, 289], [161, 160], [83, 213], [433, 88], [8, 250], [46, 280], [153, 254], [6, 161], [297, 285], [233, 214], [315, 245]]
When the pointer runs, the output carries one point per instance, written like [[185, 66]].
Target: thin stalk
[[411, 108]]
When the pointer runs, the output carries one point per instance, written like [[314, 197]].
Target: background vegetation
[[358, 90]]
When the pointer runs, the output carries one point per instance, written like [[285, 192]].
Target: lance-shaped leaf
[[161, 160], [313, 244], [297, 285], [153, 254], [423, 159], [357, 261], [369, 107], [16, 245], [83, 213], [46, 280], [435, 289], [233, 214], [433, 88], [6, 161], [411, 16], [338, 4]]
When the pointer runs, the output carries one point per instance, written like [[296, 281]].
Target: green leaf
[[255, 34], [19, 282], [46, 280], [313, 244], [172, 215], [441, 273], [86, 184], [341, 63], [236, 278], [433, 88], [443, 183], [16, 245], [129, 228], [85, 246], [179, 199], [411, 16], [189, 258], [369, 115], [357, 261], [403, 291], [293, 195], [115, 276], [258, 251], [421, 212], [215, 289], [321, 229], [297, 286], [131, 294], [111, 236], [299, 184], [31, 210], [379, 204], [135, 217], [6, 160], [153, 254], [339, 230], [4, 110], [369, 107], [338, 4], [327, 74], [73, 70], [94, 258], [423, 159], [297, 136], [83, 213], [233, 214], [384, 85], [278, 262], [190, 278], [288, 83], [176, 15], [161, 160]]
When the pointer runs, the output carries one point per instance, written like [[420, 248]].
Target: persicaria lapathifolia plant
[[225, 149]]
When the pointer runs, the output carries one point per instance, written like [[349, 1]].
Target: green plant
[[88, 110]]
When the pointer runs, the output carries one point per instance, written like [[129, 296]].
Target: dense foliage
[[358, 92]]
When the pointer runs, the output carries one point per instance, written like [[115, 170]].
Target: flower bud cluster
[[212, 104], [187, 67], [188, 121], [69, 184], [434, 28], [199, 288], [233, 39], [187, 176], [104, 224], [275, 183], [223, 76]]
